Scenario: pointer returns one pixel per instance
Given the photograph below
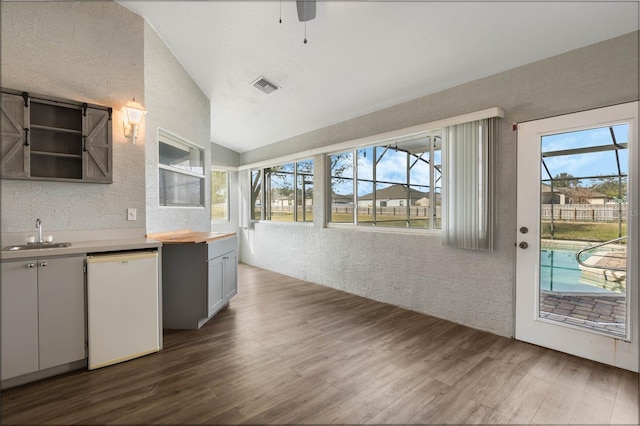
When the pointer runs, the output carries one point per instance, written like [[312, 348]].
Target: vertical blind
[[467, 190]]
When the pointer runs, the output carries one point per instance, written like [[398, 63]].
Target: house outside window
[[181, 172], [392, 184]]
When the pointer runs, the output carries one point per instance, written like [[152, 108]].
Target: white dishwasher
[[122, 305]]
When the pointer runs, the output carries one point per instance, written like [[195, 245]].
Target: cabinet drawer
[[220, 247]]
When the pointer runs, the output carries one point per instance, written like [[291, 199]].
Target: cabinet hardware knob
[[43, 263], [26, 136], [30, 265], [84, 143]]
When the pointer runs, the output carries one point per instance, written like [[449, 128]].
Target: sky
[[391, 167], [590, 164]]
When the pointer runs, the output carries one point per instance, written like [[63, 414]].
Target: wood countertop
[[187, 236]]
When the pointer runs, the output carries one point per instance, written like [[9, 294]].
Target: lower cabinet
[[230, 278], [197, 281], [42, 322], [215, 279]]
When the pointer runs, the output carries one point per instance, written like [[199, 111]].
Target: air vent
[[265, 85]]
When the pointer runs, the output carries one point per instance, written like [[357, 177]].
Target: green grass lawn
[[575, 231], [288, 217], [583, 231]]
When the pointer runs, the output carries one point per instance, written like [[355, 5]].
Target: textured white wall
[[222, 156], [174, 103], [84, 51], [416, 272]]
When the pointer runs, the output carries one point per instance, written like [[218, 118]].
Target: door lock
[[523, 245], [524, 230]]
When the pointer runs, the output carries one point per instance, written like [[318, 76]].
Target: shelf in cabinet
[[56, 129], [56, 154]]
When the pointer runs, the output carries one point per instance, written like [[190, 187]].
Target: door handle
[[523, 245]]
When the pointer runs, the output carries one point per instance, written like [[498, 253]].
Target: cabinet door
[[18, 318], [215, 298], [97, 146], [14, 144], [61, 310], [230, 283]]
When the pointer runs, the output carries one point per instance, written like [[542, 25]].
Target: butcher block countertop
[[187, 236]]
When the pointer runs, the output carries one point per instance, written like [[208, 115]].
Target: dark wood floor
[[286, 351]]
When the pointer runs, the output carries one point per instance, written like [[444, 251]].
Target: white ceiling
[[361, 56]]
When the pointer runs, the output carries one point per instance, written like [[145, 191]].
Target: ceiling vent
[[265, 85]]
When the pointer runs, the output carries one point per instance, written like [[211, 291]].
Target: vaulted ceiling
[[361, 56]]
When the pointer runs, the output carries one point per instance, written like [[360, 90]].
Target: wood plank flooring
[[286, 351]]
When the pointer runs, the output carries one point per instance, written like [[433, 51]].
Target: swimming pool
[[559, 271]]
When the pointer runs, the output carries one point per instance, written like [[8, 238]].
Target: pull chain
[[305, 22]]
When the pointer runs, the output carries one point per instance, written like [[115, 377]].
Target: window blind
[[467, 189]]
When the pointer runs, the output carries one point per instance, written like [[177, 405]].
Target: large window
[[394, 184], [181, 172], [219, 195], [287, 194]]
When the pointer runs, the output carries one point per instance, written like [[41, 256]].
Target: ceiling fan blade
[[306, 9]]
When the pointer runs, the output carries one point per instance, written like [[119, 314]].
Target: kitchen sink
[[36, 246]]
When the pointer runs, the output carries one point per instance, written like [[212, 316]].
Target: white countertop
[[83, 247]]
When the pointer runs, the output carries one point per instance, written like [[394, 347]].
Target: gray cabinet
[[14, 134], [97, 146], [230, 278], [215, 280], [197, 281], [18, 318], [43, 314], [61, 310], [55, 139]]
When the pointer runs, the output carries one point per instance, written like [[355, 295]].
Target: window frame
[[325, 150], [227, 201], [265, 188], [168, 138], [431, 134]]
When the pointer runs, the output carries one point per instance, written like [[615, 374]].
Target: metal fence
[[414, 211], [584, 212]]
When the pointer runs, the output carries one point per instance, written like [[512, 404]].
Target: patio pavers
[[597, 312]]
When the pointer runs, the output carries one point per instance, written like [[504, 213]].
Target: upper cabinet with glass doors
[[46, 138]]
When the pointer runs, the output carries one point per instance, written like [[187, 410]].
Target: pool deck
[[604, 311], [597, 312], [612, 260]]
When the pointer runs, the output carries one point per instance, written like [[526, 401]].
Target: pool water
[[559, 271]]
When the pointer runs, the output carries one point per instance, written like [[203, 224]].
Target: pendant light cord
[[305, 22]]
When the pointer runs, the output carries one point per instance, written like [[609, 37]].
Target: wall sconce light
[[132, 114]]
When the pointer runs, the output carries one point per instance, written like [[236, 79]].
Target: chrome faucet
[[39, 228]]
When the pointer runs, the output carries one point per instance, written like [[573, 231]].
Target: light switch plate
[[131, 214]]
